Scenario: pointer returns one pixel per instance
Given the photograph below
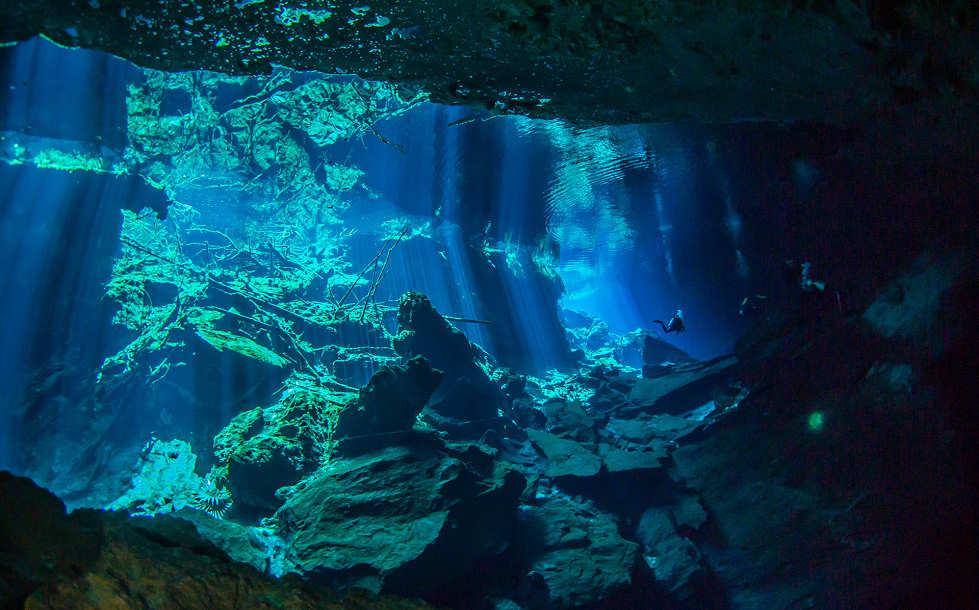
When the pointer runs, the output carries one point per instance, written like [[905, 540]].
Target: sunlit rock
[[265, 449]]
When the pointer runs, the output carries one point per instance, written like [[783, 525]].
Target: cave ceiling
[[586, 61]]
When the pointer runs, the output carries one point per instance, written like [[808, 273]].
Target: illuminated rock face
[[591, 61], [105, 559]]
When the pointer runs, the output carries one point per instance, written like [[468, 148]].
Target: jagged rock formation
[[589, 61], [690, 384], [98, 559], [263, 449], [467, 394], [411, 517], [574, 553], [673, 558], [847, 465], [825, 458], [656, 352], [391, 400]]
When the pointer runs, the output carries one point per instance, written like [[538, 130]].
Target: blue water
[[209, 306], [635, 220]]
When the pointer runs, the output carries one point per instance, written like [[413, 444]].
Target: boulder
[[675, 561], [569, 420], [629, 348], [408, 518], [914, 308], [265, 449], [526, 414], [565, 457], [572, 554], [688, 513], [575, 319], [164, 480], [98, 559], [648, 428], [656, 351], [686, 388], [612, 389], [256, 472], [650, 457], [467, 393], [392, 399], [252, 545]]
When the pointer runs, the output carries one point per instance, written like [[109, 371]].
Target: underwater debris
[[222, 340]]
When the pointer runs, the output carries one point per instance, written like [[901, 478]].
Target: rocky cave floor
[[823, 464]]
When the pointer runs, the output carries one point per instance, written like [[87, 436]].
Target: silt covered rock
[[391, 400], [675, 561], [407, 518], [574, 554], [98, 559], [467, 394], [264, 449]]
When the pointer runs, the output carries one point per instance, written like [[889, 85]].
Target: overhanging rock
[[589, 61]]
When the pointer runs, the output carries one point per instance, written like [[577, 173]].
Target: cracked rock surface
[[587, 61]]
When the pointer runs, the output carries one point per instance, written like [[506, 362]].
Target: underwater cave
[[520, 305]]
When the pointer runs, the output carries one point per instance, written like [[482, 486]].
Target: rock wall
[[589, 62]]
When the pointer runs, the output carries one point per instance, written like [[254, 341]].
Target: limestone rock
[[675, 561], [265, 449], [569, 420], [422, 331], [391, 400], [164, 480], [688, 512], [656, 351], [406, 518], [620, 62], [243, 543], [467, 394], [684, 389], [97, 559], [650, 457], [574, 554], [914, 307], [526, 415], [565, 457]]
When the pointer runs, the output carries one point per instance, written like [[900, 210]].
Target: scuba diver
[[752, 305], [806, 282], [675, 325], [801, 275]]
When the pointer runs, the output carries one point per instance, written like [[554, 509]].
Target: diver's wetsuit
[[675, 325]]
